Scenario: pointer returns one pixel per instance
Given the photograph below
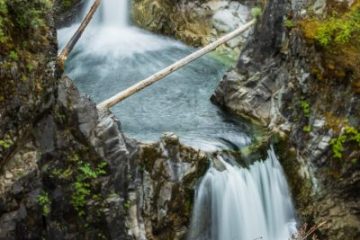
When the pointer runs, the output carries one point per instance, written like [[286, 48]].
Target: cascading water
[[114, 13], [241, 203], [235, 204]]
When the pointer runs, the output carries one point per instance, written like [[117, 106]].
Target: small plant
[[127, 205], [350, 134], [6, 143], [337, 29], [307, 128], [13, 56], [44, 202], [305, 106], [81, 193], [256, 12], [82, 186], [289, 23]]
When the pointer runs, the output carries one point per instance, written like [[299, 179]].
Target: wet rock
[[195, 22], [164, 188], [217, 164]]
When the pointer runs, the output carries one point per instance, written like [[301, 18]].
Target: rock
[[224, 21], [324, 143], [197, 23], [218, 164], [169, 138], [164, 190], [216, 5], [8, 175], [319, 123], [319, 6]]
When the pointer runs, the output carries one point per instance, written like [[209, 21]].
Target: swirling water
[[238, 203]]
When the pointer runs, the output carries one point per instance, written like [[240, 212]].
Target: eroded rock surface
[[162, 193]]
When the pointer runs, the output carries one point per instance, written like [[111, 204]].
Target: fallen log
[[70, 45], [172, 68]]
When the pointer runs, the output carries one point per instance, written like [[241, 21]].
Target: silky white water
[[236, 204], [244, 203]]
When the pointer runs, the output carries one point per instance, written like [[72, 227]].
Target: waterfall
[[235, 204], [244, 204], [115, 13]]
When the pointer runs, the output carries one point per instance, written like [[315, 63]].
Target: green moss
[[350, 134], [14, 56], [256, 12], [62, 174], [44, 201], [224, 56], [6, 143], [126, 205], [289, 23], [67, 4], [337, 29], [307, 128]]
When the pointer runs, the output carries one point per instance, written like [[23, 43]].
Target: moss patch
[[338, 36]]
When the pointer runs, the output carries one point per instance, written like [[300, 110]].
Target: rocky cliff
[[298, 76], [66, 170]]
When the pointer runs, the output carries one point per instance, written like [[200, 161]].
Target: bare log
[[85, 22], [172, 68]]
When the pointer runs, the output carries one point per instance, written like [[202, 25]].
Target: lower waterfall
[[243, 203]]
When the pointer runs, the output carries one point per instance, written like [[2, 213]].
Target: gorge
[[70, 171]]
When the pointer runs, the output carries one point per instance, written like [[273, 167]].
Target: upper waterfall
[[114, 13]]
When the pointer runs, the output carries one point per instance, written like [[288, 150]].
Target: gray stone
[[319, 123], [319, 6]]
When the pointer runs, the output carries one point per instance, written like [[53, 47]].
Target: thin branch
[[313, 229]]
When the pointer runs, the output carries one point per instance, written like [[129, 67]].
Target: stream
[[235, 204]]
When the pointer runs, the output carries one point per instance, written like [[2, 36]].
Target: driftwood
[[70, 45], [172, 68]]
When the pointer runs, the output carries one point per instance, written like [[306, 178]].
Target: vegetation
[[350, 134], [6, 143], [44, 202], [289, 23], [82, 185], [339, 30], [338, 37], [66, 4], [336, 29], [307, 128], [256, 12], [305, 106], [24, 43]]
